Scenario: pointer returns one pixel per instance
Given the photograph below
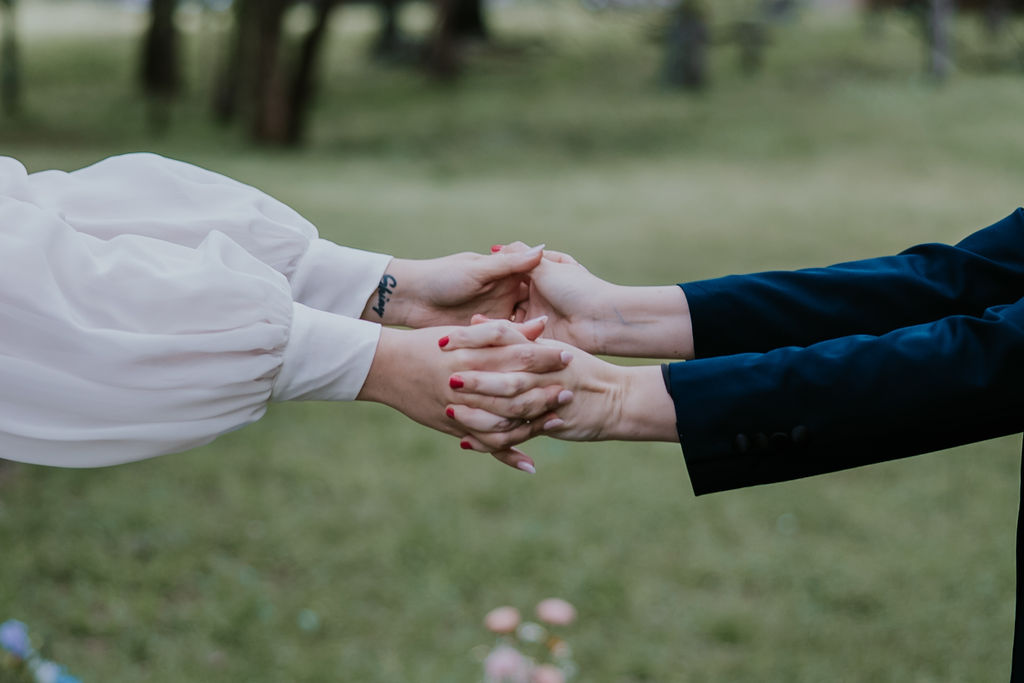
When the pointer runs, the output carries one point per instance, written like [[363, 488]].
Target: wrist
[[388, 303], [381, 381], [645, 408], [651, 322]]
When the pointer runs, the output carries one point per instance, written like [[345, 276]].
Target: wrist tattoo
[[384, 291]]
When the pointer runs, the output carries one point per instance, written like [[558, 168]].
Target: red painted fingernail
[[465, 445], [495, 248], [450, 412], [443, 341], [456, 382]]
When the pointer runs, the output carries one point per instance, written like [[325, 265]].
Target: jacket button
[[799, 434], [741, 443]]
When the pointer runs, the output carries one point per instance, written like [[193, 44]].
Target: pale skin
[[411, 373], [449, 290], [588, 315]]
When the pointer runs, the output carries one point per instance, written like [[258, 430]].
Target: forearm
[[643, 322]]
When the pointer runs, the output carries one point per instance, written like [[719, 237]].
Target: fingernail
[[450, 412], [465, 445], [565, 356], [495, 248], [455, 382], [534, 250], [554, 423], [564, 397], [540, 318], [526, 467], [443, 341]]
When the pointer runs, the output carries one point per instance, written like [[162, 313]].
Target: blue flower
[[14, 638]]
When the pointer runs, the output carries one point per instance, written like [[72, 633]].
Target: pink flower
[[556, 611], [502, 619], [506, 665], [547, 674]]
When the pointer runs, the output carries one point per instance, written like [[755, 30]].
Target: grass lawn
[[344, 543]]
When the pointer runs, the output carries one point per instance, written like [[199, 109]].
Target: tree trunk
[[466, 20], [304, 74], [237, 75], [388, 43], [270, 123], [939, 22], [686, 50], [10, 67], [161, 73]]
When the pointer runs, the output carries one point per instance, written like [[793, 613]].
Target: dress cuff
[[337, 279], [327, 357]]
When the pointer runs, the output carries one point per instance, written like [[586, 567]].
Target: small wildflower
[[14, 638], [502, 620], [556, 611], [506, 665], [547, 673]]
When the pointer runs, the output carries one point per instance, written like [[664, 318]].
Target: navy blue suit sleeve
[[763, 311], [793, 412]]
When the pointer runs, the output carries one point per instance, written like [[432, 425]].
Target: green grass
[[197, 566]]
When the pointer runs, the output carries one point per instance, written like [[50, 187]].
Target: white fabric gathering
[[148, 306]]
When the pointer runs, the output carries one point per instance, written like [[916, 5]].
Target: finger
[[491, 442], [507, 262], [494, 333], [531, 358], [559, 257], [503, 411], [516, 247], [513, 457], [477, 420]]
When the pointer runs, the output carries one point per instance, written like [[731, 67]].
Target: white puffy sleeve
[[124, 348], [146, 194]]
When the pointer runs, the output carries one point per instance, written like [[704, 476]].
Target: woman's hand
[[608, 402], [600, 317], [414, 372], [448, 290]]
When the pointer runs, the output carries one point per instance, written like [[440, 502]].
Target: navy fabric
[[801, 373]]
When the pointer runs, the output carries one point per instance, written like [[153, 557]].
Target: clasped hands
[[524, 366]]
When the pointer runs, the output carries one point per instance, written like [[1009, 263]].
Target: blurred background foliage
[[656, 143]]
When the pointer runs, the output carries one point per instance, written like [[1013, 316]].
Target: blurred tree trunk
[[270, 119], [686, 49], [10, 67], [259, 84], [304, 73], [161, 72], [938, 24], [457, 21], [234, 82], [466, 20], [389, 42]]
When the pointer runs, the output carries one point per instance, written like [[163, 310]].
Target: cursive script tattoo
[[384, 291]]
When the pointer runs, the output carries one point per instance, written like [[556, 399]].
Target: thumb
[[504, 264]]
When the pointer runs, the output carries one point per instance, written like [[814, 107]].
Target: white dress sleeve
[[146, 194], [125, 348]]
